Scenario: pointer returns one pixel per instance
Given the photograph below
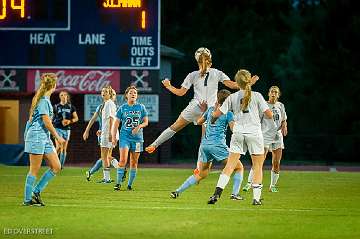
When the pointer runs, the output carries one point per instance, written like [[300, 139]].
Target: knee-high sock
[[274, 178], [164, 136], [120, 174], [29, 184], [44, 180], [237, 183], [132, 176], [188, 183], [114, 163], [106, 172], [256, 191], [62, 157], [250, 177], [96, 167], [223, 181]]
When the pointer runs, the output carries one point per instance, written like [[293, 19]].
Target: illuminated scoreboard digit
[[93, 34]]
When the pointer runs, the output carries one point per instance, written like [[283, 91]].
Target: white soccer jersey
[[108, 111], [206, 87], [246, 121], [279, 115]]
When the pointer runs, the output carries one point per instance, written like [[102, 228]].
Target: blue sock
[[29, 184], [47, 176], [188, 183], [62, 160], [96, 167], [132, 176], [120, 174], [237, 183]]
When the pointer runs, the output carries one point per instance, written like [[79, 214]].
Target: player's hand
[[85, 135], [65, 122], [98, 133], [284, 130], [254, 79], [203, 106], [166, 82], [61, 140], [113, 140], [135, 130]]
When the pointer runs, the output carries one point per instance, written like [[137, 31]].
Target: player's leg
[[98, 164], [193, 179], [275, 171], [53, 162], [134, 158], [124, 154], [257, 161], [106, 164], [63, 153], [168, 133], [35, 164], [237, 179]]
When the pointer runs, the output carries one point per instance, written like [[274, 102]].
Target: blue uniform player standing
[[38, 143], [133, 117], [64, 115], [213, 147]]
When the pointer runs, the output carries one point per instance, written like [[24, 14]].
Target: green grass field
[[309, 205]]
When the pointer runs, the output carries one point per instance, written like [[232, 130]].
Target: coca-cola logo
[[82, 81]]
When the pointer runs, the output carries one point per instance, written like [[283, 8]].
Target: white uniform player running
[[107, 118], [246, 105], [273, 137], [205, 82]]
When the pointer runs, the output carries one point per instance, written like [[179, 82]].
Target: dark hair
[[222, 95]]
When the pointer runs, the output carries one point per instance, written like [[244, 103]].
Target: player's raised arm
[[176, 91]]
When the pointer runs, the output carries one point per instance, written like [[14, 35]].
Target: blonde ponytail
[[243, 79], [48, 81]]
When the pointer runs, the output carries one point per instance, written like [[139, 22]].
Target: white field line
[[261, 208]]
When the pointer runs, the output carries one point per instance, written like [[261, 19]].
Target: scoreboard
[[83, 34]]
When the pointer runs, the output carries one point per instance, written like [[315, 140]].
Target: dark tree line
[[311, 52]]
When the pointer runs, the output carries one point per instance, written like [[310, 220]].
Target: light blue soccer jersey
[[216, 133], [37, 136], [131, 117], [44, 107]]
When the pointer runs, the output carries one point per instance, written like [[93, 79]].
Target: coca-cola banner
[[77, 81]]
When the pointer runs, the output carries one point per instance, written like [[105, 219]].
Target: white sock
[[274, 178], [106, 172], [250, 177], [114, 163], [164, 136], [223, 181], [257, 191]]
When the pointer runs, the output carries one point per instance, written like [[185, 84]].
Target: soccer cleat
[[37, 199], [104, 181], [256, 202], [174, 194], [88, 176], [29, 203], [247, 187], [124, 176], [129, 188], [273, 189], [213, 199], [150, 149], [117, 187], [236, 197]]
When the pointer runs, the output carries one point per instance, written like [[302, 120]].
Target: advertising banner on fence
[[77, 81], [151, 103]]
